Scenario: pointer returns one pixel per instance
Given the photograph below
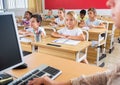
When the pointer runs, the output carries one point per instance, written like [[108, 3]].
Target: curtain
[[35, 6]]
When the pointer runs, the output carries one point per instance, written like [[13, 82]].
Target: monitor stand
[[23, 66]]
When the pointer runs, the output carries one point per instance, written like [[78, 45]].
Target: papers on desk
[[21, 36], [66, 41], [25, 40]]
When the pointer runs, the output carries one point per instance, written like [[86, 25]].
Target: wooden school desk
[[65, 51], [21, 27], [110, 36], [93, 53], [26, 45], [94, 33], [70, 69]]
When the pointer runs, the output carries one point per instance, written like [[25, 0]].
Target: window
[[12, 4], [1, 4]]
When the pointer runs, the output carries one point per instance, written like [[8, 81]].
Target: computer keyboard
[[41, 71]]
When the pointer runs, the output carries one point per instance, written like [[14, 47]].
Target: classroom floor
[[114, 57]]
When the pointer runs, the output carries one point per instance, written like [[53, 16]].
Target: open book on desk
[[21, 36], [25, 40], [66, 41]]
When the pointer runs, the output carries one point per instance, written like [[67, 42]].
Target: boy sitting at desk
[[35, 23], [49, 16], [82, 15]]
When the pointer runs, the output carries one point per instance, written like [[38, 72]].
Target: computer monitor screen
[[10, 49]]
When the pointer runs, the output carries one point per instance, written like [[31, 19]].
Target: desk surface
[[93, 30], [70, 69], [73, 48], [56, 28], [96, 30]]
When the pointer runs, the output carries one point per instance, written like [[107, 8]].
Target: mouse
[[5, 79], [23, 66]]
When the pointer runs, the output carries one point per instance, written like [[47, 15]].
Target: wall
[[18, 12], [101, 6], [75, 4], [99, 11]]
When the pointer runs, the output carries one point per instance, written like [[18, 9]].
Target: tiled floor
[[114, 57]]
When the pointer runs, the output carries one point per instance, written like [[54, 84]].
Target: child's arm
[[57, 35], [53, 23], [29, 34], [81, 37], [22, 32], [101, 25], [42, 35], [61, 25], [81, 24], [47, 81]]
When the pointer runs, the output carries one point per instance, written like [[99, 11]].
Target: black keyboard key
[[4, 75], [51, 70], [34, 72], [24, 78], [40, 74], [17, 82], [23, 83], [31, 78]]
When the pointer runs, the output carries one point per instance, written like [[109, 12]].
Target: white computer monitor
[[10, 50]]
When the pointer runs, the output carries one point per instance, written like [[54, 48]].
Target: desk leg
[[82, 56], [101, 54], [77, 56], [118, 39], [33, 48]]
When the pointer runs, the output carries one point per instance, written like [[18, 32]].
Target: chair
[[82, 56]]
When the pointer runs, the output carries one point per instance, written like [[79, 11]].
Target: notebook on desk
[[25, 40], [43, 70], [21, 36], [66, 41]]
